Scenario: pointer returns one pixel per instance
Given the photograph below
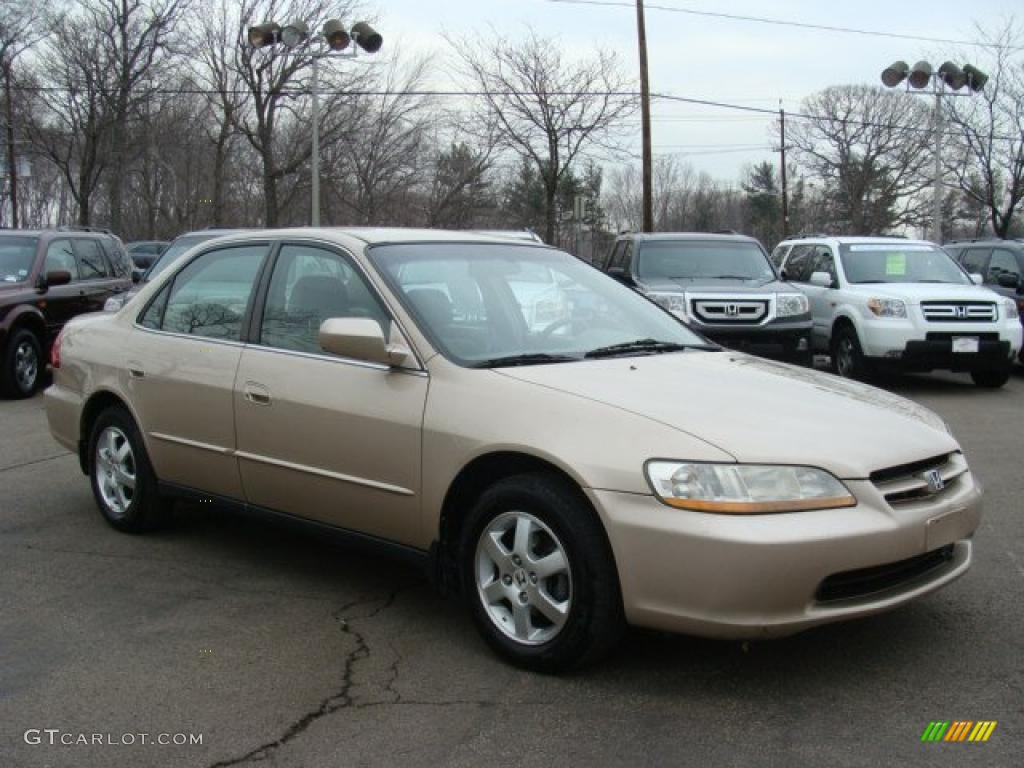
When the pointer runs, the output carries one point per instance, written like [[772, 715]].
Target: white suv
[[885, 301]]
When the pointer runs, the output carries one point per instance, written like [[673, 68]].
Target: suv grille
[[909, 483], [959, 311], [726, 311]]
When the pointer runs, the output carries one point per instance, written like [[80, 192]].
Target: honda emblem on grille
[[934, 479], [961, 312], [732, 310]]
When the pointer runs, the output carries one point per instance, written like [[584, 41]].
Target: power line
[[786, 23]]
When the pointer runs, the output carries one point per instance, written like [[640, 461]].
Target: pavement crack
[[344, 697], [43, 460]]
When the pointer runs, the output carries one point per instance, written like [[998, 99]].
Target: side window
[[825, 262], [311, 284], [209, 297], [800, 263], [61, 256], [1003, 261], [117, 256], [92, 264], [779, 254], [153, 317], [615, 259], [975, 260], [627, 257]]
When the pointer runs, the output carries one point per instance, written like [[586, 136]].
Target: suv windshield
[[490, 304], [16, 255], [703, 259], [899, 263]]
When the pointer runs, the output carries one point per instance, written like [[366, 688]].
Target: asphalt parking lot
[[283, 647]]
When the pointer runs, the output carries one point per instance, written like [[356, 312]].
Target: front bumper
[[917, 345], [765, 575], [789, 341]]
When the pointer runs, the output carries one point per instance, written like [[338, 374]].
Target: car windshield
[[899, 263], [178, 247], [494, 304], [703, 259], [16, 254]]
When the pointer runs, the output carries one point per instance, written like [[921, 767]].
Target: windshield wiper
[[532, 358], [733, 277], [649, 346], [947, 282]]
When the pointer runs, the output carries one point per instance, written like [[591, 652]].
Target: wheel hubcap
[[26, 366], [523, 578], [115, 470], [845, 357]]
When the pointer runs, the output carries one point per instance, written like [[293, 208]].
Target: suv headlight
[[1010, 307], [887, 307], [113, 304], [745, 488], [789, 304], [673, 302]]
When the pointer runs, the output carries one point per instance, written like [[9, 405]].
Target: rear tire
[[123, 482], [22, 364], [539, 576], [848, 359], [991, 378]]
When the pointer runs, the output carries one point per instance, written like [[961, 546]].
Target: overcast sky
[[749, 63]]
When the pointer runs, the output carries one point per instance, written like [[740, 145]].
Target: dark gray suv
[[722, 285]]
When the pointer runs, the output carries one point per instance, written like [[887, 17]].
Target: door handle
[[135, 370], [256, 393]]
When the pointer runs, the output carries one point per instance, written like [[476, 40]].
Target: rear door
[[61, 302], [181, 363], [321, 436]]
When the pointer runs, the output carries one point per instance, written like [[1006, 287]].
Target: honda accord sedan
[[606, 467]]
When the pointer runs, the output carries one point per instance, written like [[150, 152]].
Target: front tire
[[22, 364], [123, 482], [539, 576], [991, 378], [848, 359]]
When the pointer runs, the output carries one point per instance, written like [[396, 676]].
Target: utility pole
[[782, 160], [12, 170], [937, 180], [314, 159], [645, 119]]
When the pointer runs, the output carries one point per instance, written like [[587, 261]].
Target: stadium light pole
[[332, 40], [946, 81]]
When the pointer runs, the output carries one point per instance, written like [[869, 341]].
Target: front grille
[[959, 311], [909, 483], [878, 578], [730, 311]]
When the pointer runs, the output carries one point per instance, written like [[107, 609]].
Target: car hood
[[706, 285], [757, 410], [915, 293]]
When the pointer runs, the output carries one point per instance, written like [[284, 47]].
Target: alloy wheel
[[26, 365], [523, 578], [115, 470]]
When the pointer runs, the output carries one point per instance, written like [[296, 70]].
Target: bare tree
[[548, 109], [867, 147], [989, 131]]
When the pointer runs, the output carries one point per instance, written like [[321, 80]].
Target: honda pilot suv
[[890, 302], [721, 285], [46, 278]]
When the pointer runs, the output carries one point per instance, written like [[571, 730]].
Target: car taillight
[[1020, 306], [55, 350]]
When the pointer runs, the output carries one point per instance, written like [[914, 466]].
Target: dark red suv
[[46, 278]]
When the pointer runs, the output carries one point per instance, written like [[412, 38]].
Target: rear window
[[16, 256]]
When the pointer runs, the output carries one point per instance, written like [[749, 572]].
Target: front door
[[324, 437], [181, 363]]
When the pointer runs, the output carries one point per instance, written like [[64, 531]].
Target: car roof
[[674, 236], [856, 240], [377, 235]]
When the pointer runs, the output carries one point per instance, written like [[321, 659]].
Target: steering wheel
[[559, 323]]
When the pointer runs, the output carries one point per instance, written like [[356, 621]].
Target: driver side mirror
[[360, 338], [976, 278], [620, 274], [1008, 280], [821, 279], [54, 278]]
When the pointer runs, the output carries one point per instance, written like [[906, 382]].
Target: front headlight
[[745, 488], [113, 304], [673, 302], [1010, 307], [789, 304], [887, 307]]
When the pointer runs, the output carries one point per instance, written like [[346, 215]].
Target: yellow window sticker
[[896, 264]]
